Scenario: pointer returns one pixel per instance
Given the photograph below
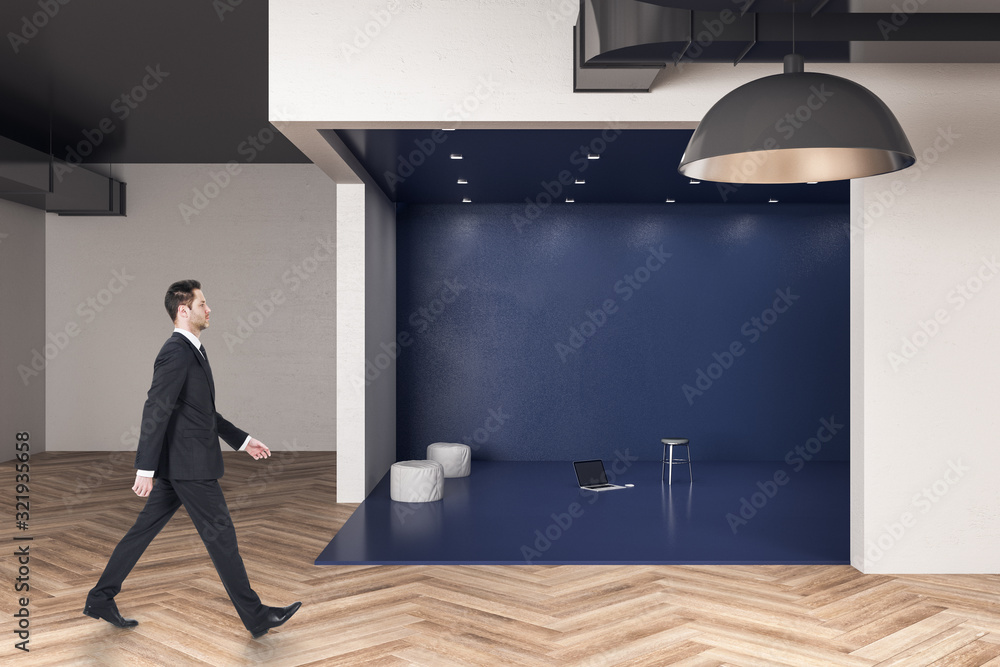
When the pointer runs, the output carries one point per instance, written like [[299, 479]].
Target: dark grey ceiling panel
[[621, 43], [123, 81]]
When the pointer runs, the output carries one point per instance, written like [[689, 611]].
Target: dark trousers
[[207, 508]]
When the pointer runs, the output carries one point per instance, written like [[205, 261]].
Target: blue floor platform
[[513, 513]]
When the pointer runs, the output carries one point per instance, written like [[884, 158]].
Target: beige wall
[[22, 327], [261, 242]]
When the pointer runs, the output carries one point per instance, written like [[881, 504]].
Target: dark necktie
[[208, 369]]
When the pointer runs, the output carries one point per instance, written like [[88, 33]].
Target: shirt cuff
[[144, 473], [245, 443]]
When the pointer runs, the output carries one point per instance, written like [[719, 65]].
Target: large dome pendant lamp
[[796, 127]]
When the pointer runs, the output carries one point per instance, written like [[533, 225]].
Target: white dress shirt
[[197, 346]]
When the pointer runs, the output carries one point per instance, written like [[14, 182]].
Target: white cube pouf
[[416, 481], [454, 456]]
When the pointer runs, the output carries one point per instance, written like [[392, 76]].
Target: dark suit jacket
[[179, 435]]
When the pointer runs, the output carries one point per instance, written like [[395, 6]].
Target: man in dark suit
[[179, 445]]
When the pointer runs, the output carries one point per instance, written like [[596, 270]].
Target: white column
[[350, 343]]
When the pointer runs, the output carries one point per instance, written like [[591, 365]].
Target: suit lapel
[[204, 365]]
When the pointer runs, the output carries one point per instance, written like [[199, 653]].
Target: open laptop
[[591, 476]]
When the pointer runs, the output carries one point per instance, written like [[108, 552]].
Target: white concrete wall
[[22, 327], [931, 502], [433, 63], [262, 246], [442, 63], [366, 334], [366, 316]]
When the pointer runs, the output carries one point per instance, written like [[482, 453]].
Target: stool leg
[[690, 474], [663, 461], [670, 476]]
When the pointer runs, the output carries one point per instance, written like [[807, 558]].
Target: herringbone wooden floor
[[284, 511]]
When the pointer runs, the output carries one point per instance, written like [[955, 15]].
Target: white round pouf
[[455, 457], [416, 481]]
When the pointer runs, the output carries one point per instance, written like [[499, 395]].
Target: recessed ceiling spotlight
[[462, 181], [570, 200], [466, 200], [456, 156], [580, 181], [593, 156], [694, 182], [772, 200], [671, 201]]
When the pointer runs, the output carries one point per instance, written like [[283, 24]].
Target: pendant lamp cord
[[793, 28]]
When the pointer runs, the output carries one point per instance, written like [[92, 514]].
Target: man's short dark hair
[[181, 292]]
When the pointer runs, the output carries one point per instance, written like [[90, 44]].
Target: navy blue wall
[[501, 347]]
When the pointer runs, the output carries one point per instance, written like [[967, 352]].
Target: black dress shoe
[[111, 615], [275, 617]]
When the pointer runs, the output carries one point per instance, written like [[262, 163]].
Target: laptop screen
[[589, 473]]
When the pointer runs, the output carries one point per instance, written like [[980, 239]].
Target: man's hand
[[142, 486], [257, 449]]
